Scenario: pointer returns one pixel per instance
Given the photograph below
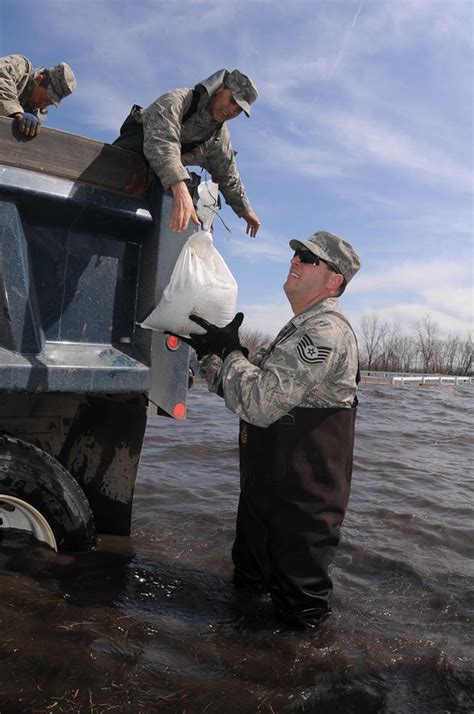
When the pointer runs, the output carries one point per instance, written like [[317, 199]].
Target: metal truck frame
[[85, 253]]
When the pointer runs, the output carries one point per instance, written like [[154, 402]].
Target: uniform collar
[[319, 308]]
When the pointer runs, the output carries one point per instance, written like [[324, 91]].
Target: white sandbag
[[201, 283]]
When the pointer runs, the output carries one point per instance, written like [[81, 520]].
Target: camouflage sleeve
[[295, 369], [259, 355], [219, 160], [12, 69], [162, 136], [210, 370]]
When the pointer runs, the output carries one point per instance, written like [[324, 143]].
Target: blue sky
[[363, 127]]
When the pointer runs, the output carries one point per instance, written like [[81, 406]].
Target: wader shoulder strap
[[344, 319], [198, 91], [131, 132]]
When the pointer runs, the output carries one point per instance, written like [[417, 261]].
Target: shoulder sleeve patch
[[309, 353]]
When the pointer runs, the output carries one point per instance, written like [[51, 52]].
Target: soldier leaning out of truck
[[26, 93], [186, 127]]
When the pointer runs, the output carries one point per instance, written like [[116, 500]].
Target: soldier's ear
[[337, 281]]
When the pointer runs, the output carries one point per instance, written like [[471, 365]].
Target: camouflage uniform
[[311, 363], [165, 134], [297, 404], [17, 80]]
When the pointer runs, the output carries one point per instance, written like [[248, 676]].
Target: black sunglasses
[[306, 256]]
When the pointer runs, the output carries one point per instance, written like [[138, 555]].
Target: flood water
[[153, 624]]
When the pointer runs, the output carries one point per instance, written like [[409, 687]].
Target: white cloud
[[345, 146], [374, 141], [406, 314], [456, 301], [415, 277], [347, 142], [292, 154], [439, 288], [265, 246], [268, 318], [105, 108], [437, 18], [442, 289]]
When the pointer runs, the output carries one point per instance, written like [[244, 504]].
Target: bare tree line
[[254, 340], [385, 347]]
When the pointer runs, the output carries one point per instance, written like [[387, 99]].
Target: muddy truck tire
[[38, 495]]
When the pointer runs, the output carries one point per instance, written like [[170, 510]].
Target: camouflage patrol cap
[[243, 89], [62, 82], [333, 250]]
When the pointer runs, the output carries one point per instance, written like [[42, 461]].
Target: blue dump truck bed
[[85, 254]]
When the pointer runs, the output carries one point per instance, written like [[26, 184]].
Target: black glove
[[27, 124], [220, 341], [199, 343]]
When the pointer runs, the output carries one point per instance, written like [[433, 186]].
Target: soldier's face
[[308, 282], [223, 106], [38, 98]]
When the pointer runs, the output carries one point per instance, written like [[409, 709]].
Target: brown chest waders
[[295, 485]]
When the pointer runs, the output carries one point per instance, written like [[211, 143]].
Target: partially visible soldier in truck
[[186, 127], [26, 92]]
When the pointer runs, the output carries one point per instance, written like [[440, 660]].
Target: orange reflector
[[179, 411], [172, 342]]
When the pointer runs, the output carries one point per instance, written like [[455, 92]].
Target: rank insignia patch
[[309, 353]]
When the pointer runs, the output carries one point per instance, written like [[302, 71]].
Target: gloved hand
[[199, 343], [27, 124], [221, 341]]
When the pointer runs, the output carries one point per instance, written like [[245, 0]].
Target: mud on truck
[[83, 260]]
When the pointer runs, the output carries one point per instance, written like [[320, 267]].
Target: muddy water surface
[[153, 624]]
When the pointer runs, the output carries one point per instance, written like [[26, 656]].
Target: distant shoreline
[[398, 379]]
